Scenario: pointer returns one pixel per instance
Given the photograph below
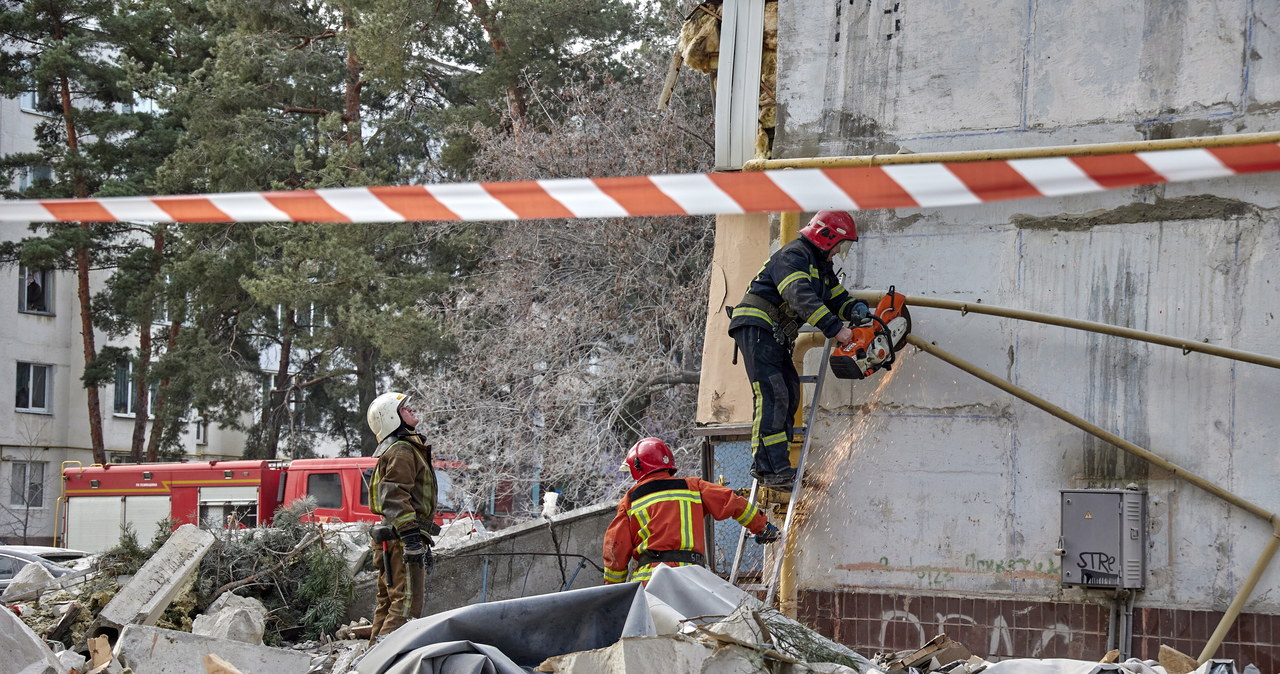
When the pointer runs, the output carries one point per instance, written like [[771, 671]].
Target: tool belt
[[785, 324], [682, 556]]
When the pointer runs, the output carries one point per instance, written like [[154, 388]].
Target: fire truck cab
[[100, 500]]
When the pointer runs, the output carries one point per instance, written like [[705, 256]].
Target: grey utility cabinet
[[1104, 538]]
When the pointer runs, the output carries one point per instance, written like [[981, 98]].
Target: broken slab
[[233, 617], [31, 577], [150, 591], [155, 650], [664, 654], [24, 652]]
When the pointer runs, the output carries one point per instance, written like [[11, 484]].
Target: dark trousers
[[775, 388]]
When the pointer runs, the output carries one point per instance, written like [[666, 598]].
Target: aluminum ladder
[[771, 580]]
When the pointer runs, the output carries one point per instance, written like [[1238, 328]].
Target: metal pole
[[1186, 345], [1233, 611], [1016, 153]]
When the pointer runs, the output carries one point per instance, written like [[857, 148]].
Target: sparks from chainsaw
[[874, 345]]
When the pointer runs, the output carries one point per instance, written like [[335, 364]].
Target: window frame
[[27, 484], [45, 278], [128, 381], [47, 407]]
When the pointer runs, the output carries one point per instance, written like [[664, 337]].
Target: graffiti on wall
[[1001, 632]]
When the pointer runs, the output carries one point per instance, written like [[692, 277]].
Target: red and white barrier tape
[[895, 186]]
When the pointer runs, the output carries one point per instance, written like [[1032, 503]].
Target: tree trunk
[[83, 294], [276, 409], [141, 374], [354, 85], [366, 359], [162, 395], [517, 105]]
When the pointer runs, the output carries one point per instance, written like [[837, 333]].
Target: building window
[[124, 398], [26, 484], [35, 291], [201, 430], [33, 388], [32, 175], [42, 100]]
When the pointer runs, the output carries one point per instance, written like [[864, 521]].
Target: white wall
[[933, 477]]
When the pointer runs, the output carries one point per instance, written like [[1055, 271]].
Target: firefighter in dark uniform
[[659, 521], [797, 285], [403, 491]]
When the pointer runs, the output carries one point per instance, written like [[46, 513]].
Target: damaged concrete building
[[939, 502]]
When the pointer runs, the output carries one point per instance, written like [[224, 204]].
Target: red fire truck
[[100, 499]]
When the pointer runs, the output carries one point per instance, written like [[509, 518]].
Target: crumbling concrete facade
[[935, 504]]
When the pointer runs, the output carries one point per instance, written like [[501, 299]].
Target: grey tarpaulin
[[513, 636]]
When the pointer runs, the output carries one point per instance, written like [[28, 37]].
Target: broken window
[[35, 291]]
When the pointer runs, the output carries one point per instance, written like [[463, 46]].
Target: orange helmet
[[648, 456], [828, 228]]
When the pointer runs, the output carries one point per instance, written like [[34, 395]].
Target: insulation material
[[699, 41]]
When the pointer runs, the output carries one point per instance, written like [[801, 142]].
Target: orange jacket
[[665, 513]]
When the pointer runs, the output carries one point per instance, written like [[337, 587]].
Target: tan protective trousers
[[400, 589]]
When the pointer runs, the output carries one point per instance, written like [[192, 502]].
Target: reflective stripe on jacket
[[802, 283], [403, 487], [665, 513]]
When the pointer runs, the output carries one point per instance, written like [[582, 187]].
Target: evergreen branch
[[302, 111], [307, 40]]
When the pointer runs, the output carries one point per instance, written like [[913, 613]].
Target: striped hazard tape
[[897, 186]]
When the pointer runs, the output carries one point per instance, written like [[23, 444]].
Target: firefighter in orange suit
[[403, 491], [659, 521]]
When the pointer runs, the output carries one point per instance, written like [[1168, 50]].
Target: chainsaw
[[875, 344]]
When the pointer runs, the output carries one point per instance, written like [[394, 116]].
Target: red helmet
[[828, 228], [648, 456]]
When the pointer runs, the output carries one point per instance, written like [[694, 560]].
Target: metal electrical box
[[1104, 538]]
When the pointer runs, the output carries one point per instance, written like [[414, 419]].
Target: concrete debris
[[156, 584], [459, 532], [356, 629], [233, 617], [72, 660], [338, 657], [352, 542], [155, 650], [635, 655], [23, 651], [31, 576]]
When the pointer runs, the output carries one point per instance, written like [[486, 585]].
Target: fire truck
[[98, 500]]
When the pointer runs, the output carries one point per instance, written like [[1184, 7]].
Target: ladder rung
[[808, 379]]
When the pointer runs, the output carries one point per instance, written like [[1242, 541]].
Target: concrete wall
[[503, 568], [931, 484]]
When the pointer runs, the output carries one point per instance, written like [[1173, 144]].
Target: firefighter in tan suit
[[403, 492]]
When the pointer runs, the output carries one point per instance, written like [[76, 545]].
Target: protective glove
[[768, 534], [416, 553], [860, 314]]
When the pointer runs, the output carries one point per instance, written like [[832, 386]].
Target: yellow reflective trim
[[753, 313], [645, 572], [641, 507], [616, 576], [686, 524], [837, 290], [757, 414], [818, 315], [747, 515], [792, 278], [775, 439]]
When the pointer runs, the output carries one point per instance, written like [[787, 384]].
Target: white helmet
[[384, 414]]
